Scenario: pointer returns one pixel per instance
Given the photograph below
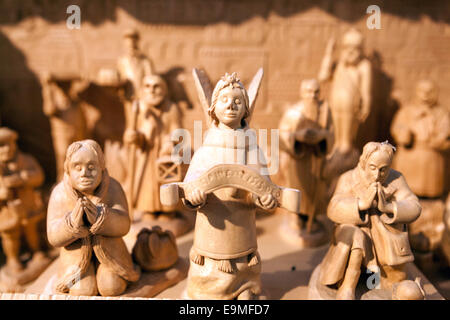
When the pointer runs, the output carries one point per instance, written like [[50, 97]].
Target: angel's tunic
[[225, 226]]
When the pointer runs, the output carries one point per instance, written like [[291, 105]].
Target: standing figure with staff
[[305, 136], [155, 117]]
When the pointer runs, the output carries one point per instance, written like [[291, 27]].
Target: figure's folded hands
[[98, 224], [90, 210], [76, 215], [311, 135], [384, 205], [366, 202], [75, 221]]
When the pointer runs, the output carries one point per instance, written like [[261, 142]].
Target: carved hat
[[7, 135]]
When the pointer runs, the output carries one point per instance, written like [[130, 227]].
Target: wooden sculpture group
[[90, 211]]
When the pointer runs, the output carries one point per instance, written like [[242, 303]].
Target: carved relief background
[[287, 38]]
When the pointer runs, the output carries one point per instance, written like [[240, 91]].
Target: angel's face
[[230, 107]]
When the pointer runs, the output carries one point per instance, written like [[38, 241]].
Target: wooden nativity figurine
[[150, 163], [421, 130], [226, 181], [88, 218], [21, 212], [371, 207], [350, 98], [132, 67], [305, 138], [61, 104]]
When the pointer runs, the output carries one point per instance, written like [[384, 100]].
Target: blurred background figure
[[305, 139], [133, 66], [350, 98], [63, 108], [422, 132], [149, 163], [21, 210]]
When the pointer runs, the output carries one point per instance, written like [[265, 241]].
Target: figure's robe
[[105, 241], [24, 203], [382, 237], [156, 125], [133, 70], [303, 162], [423, 135], [225, 229], [67, 121]]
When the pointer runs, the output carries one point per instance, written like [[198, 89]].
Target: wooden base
[[291, 233], [318, 291], [17, 281], [152, 283], [149, 285], [286, 269]]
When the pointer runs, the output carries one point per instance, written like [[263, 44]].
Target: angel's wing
[[253, 91], [204, 91]]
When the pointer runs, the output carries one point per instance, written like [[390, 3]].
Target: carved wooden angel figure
[[372, 206], [226, 180], [87, 218], [305, 136]]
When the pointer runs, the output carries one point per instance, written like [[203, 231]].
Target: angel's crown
[[231, 79]]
